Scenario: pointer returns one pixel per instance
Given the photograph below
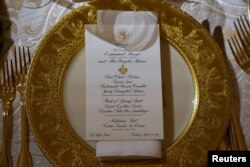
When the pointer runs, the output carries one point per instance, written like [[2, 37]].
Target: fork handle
[[237, 137], [24, 158], [5, 156]]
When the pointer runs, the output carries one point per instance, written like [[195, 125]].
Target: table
[[29, 25]]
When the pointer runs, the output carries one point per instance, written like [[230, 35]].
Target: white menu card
[[123, 82]]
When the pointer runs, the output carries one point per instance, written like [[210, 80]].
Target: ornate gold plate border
[[46, 114]]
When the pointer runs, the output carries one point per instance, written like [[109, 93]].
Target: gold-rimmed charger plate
[[48, 120]]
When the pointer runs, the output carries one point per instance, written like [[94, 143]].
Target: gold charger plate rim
[[90, 8]]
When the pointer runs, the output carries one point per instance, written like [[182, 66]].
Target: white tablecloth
[[30, 25]]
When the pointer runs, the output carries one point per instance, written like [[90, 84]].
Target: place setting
[[50, 121], [126, 83]]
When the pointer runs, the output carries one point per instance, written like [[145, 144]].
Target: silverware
[[24, 158], [240, 44], [7, 94], [218, 37]]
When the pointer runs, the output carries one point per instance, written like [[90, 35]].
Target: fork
[[240, 47], [24, 158], [240, 44], [7, 94]]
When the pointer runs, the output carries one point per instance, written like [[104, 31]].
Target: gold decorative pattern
[[48, 119], [123, 70], [122, 35]]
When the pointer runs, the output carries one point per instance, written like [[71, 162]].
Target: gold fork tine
[[20, 60], [243, 30], [248, 24], [24, 60], [244, 23], [247, 21], [4, 73], [15, 61], [236, 50], [240, 45], [239, 53], [12, 72], [8, 76], [29, 57]]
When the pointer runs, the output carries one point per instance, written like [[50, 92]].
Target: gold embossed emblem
[[123, 70], [122, 35]]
